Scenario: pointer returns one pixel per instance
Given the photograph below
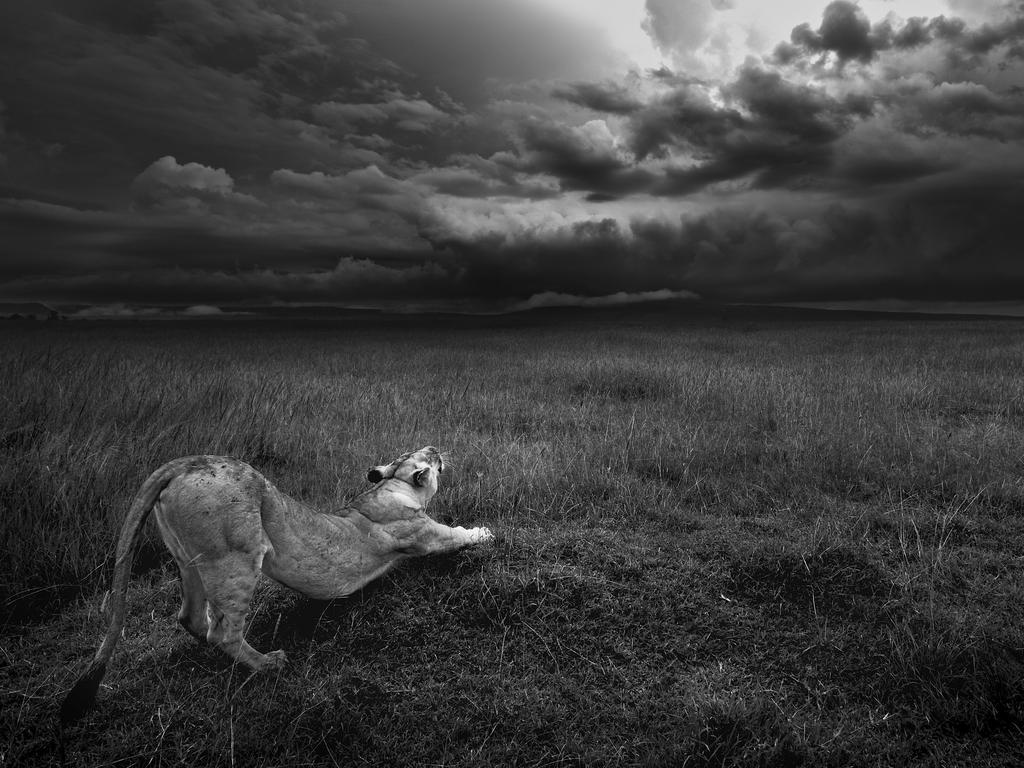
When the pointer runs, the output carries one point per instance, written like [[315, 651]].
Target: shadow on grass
[[282, 618], [746, 732], [959, 675], [547, 729], [837, 578]]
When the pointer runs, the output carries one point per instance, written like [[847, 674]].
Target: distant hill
[[28, 310], [669, 311]]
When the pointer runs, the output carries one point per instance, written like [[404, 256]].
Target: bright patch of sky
[[736, 29], [620, 20]]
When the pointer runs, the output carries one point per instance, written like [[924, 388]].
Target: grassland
[[722, 542]]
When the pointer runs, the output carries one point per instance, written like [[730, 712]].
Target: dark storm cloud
[[367, 187], [62, 240], [53, 241], [772, 130], [685, 115], [331, 150], [406, 114], [188, 216], [914, 33], [847, 32], [801, 111], [941, 243], [938, 243], [768, 127], [601, 97], [472, 176], [169, 186], [74, 256], [586, 258], [844, 30], [867, 165], [964, 109], [985, 38], [92, 111], [582, 158], [94, 91]]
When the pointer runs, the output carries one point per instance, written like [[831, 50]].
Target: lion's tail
[[83, 693]]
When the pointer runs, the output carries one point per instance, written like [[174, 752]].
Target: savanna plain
[[723, 540]]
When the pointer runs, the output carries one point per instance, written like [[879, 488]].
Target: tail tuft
[[82, 695]]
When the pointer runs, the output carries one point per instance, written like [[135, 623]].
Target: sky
[[487, 153]]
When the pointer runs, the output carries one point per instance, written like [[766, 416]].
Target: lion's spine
[[83, 692]]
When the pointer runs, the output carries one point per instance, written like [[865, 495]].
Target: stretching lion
[[224, 523]]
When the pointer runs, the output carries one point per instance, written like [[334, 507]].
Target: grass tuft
[[957, 674]]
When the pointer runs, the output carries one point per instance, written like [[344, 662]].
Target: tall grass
[[548, 424], [782, 533]]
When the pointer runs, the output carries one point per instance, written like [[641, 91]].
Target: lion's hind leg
[[230, 582], [192, 615]]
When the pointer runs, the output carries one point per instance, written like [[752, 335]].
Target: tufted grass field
[[723, 540]]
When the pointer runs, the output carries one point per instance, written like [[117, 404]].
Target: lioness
[[224, 522]]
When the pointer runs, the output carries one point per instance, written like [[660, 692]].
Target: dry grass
[[722, 543]]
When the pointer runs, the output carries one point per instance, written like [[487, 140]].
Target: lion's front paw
[[484, 536], [273, 660]]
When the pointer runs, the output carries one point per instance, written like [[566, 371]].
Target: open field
[[722, 542]]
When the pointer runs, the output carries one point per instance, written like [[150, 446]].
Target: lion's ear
[[421, 476], [381, 472]]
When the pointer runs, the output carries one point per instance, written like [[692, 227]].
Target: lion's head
[[419, 468]]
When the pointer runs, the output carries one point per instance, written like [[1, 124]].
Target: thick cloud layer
[[846, 32], [305, 150]]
